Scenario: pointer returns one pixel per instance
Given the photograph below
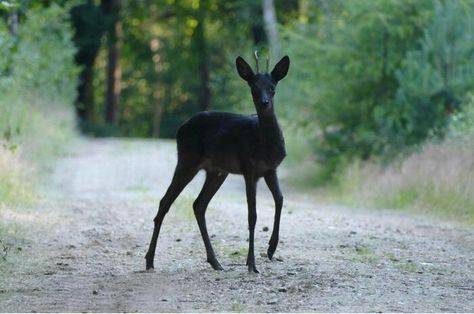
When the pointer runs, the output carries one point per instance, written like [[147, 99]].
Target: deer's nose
[[265, 102]]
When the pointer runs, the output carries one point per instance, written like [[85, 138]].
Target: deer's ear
[[244, 69], [281, 69]]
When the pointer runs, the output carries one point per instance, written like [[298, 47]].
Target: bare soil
[[86, 241]]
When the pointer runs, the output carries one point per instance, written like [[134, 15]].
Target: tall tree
[[257, 25], [271, 27], [114, 71], [89, 24]]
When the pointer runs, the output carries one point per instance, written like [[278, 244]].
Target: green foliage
[[45, 41], [7, 5], [376, 77], [433, 82], [435, 78], [368, 79], [164, 48], [37, 70], [37, 84], [345, 72]]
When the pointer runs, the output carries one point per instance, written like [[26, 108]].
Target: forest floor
[[86, 239]]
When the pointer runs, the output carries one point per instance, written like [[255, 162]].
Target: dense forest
[[371, 82]]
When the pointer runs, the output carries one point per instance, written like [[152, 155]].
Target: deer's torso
[[233, 143]]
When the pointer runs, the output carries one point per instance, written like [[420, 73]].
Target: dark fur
[[223, 143]]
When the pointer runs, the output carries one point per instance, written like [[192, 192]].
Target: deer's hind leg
[[183, 174], [213, 182]]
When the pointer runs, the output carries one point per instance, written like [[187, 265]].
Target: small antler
[[256, 59]]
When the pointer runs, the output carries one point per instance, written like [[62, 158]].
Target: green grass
[[235, 253], [443, 203], [401, 199], [408, 267], [404, 266], [26, 161], [237, 307], [438, 180], [363, 251], [392, 257], [365, 255], [21, 169], [16, 185]]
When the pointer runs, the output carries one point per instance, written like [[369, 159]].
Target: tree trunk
[[271, 27], [87, 19], [257, 26], [85, 97], [204, 91], [114, 71], [13, 23]]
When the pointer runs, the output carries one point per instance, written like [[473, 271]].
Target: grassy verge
[[28, 157], [37, 87], [24, 168], [438, 180], [14, 183]]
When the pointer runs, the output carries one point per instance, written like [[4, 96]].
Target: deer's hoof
[[251, 266], [149, 264], [215, 264], [253, 269], [271, 251]]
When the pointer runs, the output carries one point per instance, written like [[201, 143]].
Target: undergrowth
[[37, 88], [437, 180]]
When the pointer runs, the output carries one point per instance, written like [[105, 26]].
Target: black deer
[[223, 143]]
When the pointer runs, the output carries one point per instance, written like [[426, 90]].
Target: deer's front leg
[[251, 188], [272, 182]]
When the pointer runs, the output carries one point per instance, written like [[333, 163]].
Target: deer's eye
[[272, 90]]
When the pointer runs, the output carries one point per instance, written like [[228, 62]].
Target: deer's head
[[263, 85]]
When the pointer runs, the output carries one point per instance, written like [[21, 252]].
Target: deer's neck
[[269, 128], [271, 139]]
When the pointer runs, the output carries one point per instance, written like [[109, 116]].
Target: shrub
[[379, 77], [37, 84]]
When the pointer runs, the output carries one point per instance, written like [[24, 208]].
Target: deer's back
[[221, 141]]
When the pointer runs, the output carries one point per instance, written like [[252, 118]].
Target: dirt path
[[92, 231]]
